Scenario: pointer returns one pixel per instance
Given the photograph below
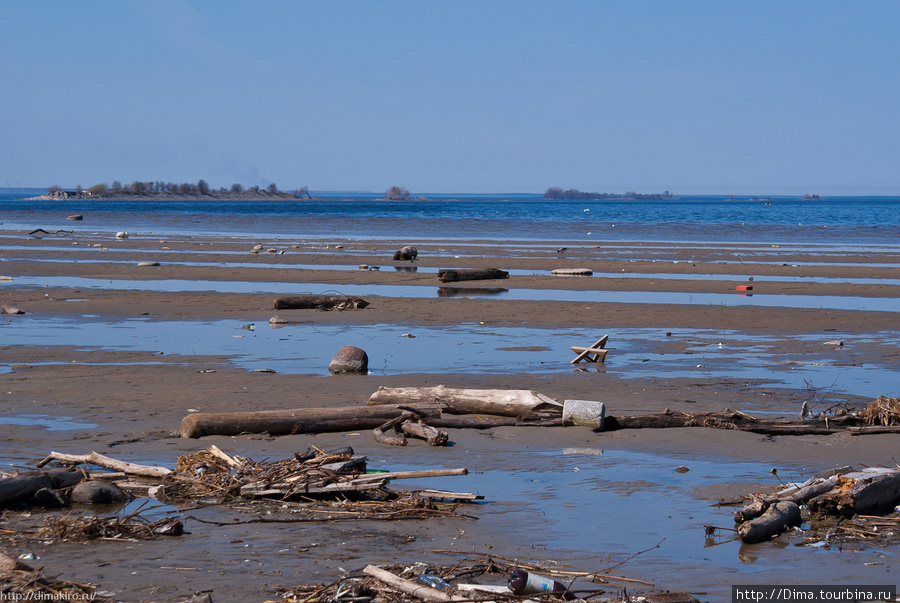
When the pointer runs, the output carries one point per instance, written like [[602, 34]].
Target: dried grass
[[883, 411]]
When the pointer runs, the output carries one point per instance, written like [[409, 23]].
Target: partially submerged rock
[[349, 359]]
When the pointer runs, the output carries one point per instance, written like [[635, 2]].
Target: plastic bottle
[[526, 583], [433, 581]]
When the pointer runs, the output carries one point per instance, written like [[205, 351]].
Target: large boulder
[[98, 492], [406, 253], [349, 359]]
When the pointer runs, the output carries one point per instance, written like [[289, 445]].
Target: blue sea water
[[834, 220]]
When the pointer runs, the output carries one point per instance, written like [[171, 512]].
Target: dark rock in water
[[406, 253], [349, 359], [75, 218], [47, 497], [98, 493]]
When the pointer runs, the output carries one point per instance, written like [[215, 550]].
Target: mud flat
[[584, 499]]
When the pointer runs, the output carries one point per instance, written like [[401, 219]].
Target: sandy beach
[[136, 399]]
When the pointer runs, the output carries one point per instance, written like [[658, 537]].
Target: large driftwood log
[[871, 490], [22, 487], [94, 458], [508, 403], [302, 420], [475, 274], [315, 302], [774, 521], [730, 419]]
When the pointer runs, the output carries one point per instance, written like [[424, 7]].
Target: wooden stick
[[419, 591], [414, 474], [218, 453], [104, 461]]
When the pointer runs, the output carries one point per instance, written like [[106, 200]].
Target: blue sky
[[735, 97]]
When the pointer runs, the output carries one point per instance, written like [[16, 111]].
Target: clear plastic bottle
[[525, 583], [433, 581]]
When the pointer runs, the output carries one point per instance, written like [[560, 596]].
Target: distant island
[[186, 191], [555, 192], [174, 191]]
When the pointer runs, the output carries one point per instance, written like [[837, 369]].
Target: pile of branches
[[74, 528], [21, 582], [312, 486], [883, 411]]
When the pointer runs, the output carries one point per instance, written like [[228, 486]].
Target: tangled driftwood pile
[[489, 578], [826, 499]]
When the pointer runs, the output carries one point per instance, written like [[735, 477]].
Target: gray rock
[[97, 492], [349, 359]]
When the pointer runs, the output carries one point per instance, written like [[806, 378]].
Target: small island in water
[[555, 192]]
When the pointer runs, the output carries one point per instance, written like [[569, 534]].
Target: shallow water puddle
[[307, 348], [48, 422], [830, 302]]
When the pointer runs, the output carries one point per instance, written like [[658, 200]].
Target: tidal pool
[[307, 348]]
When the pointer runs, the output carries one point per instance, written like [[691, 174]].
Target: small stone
[[349, 359], [681, 469]]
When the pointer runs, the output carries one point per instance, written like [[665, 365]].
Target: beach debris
[[349, 360], [93, 458], [475, 274], [301, 420], [584, 412], [256, 248], [278, 321], [596, 352], [40, 232], [883, 411], [320, 302], [826, 501], [21, 582], [148, 264], [122, 234], [345, 418], [735, 419], [410, 424], [572, 272], [495, 574], [775, 519], [75, 218], [407, 252], [4, 278], [22, 487], [10, 309], [509, 403]]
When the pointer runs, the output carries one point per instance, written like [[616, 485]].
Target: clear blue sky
[[758, 96]]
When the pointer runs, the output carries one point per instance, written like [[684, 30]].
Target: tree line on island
[[194, 190], [557, 193]]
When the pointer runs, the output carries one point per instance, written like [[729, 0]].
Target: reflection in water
[[470, 291]]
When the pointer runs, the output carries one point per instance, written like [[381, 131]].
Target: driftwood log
[[419, 591], [776, 519], [21, 487], [731, 419], [320, 302], [301, 420], [872, 490], [470, 291], [94, 458], [507, 403], [475, 274]]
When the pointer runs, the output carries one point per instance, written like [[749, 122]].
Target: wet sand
[[625, 500]]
